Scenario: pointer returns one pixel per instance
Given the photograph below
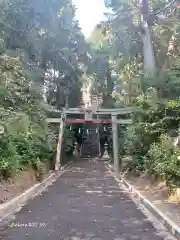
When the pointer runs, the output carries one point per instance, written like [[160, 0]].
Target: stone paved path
[[85, 203]]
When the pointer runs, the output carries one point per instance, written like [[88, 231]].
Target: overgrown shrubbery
[[149, 140], [26, 141], [163, 159], [36, 70]]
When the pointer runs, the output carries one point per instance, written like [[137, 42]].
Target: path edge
[[167, 222], [16, 203]]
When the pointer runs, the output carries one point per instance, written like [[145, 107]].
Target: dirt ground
[[15, 186], [157, 192], [24, 180]]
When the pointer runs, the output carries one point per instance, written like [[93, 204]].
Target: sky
[[89, 13]]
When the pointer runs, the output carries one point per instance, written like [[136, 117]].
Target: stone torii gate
[[88, 117]]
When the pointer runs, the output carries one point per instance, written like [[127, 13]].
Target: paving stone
[[76, 207]]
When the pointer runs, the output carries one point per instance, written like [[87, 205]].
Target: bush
[[9, 159], [26, 137], [40, 169], [149, 123], [19, 149], [162, 159], [159, 156]]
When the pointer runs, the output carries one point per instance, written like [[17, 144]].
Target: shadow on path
[[84, 203]]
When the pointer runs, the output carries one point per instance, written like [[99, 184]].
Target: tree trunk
[[170, 52], [148, 52]]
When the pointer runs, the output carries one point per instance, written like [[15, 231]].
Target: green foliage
[[40, 169], [119, 41], [163, 160], [40, 52], [149, 139], [122, 139], [25, 137], [69, 140], [171, 85], [9, 158]]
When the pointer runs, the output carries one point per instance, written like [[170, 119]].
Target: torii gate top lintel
[[89, 112], [99, 111]]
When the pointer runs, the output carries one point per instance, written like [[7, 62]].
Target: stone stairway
[[91, 143], [90, 146]]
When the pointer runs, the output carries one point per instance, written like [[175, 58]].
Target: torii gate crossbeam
[[96, 121]]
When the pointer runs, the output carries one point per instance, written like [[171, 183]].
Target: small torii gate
[[88, 117]]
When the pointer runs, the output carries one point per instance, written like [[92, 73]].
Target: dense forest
[[142, 42], [41, 50], [131, 59]]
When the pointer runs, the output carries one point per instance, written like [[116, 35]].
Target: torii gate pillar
[[59, 145], [115, 144]]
